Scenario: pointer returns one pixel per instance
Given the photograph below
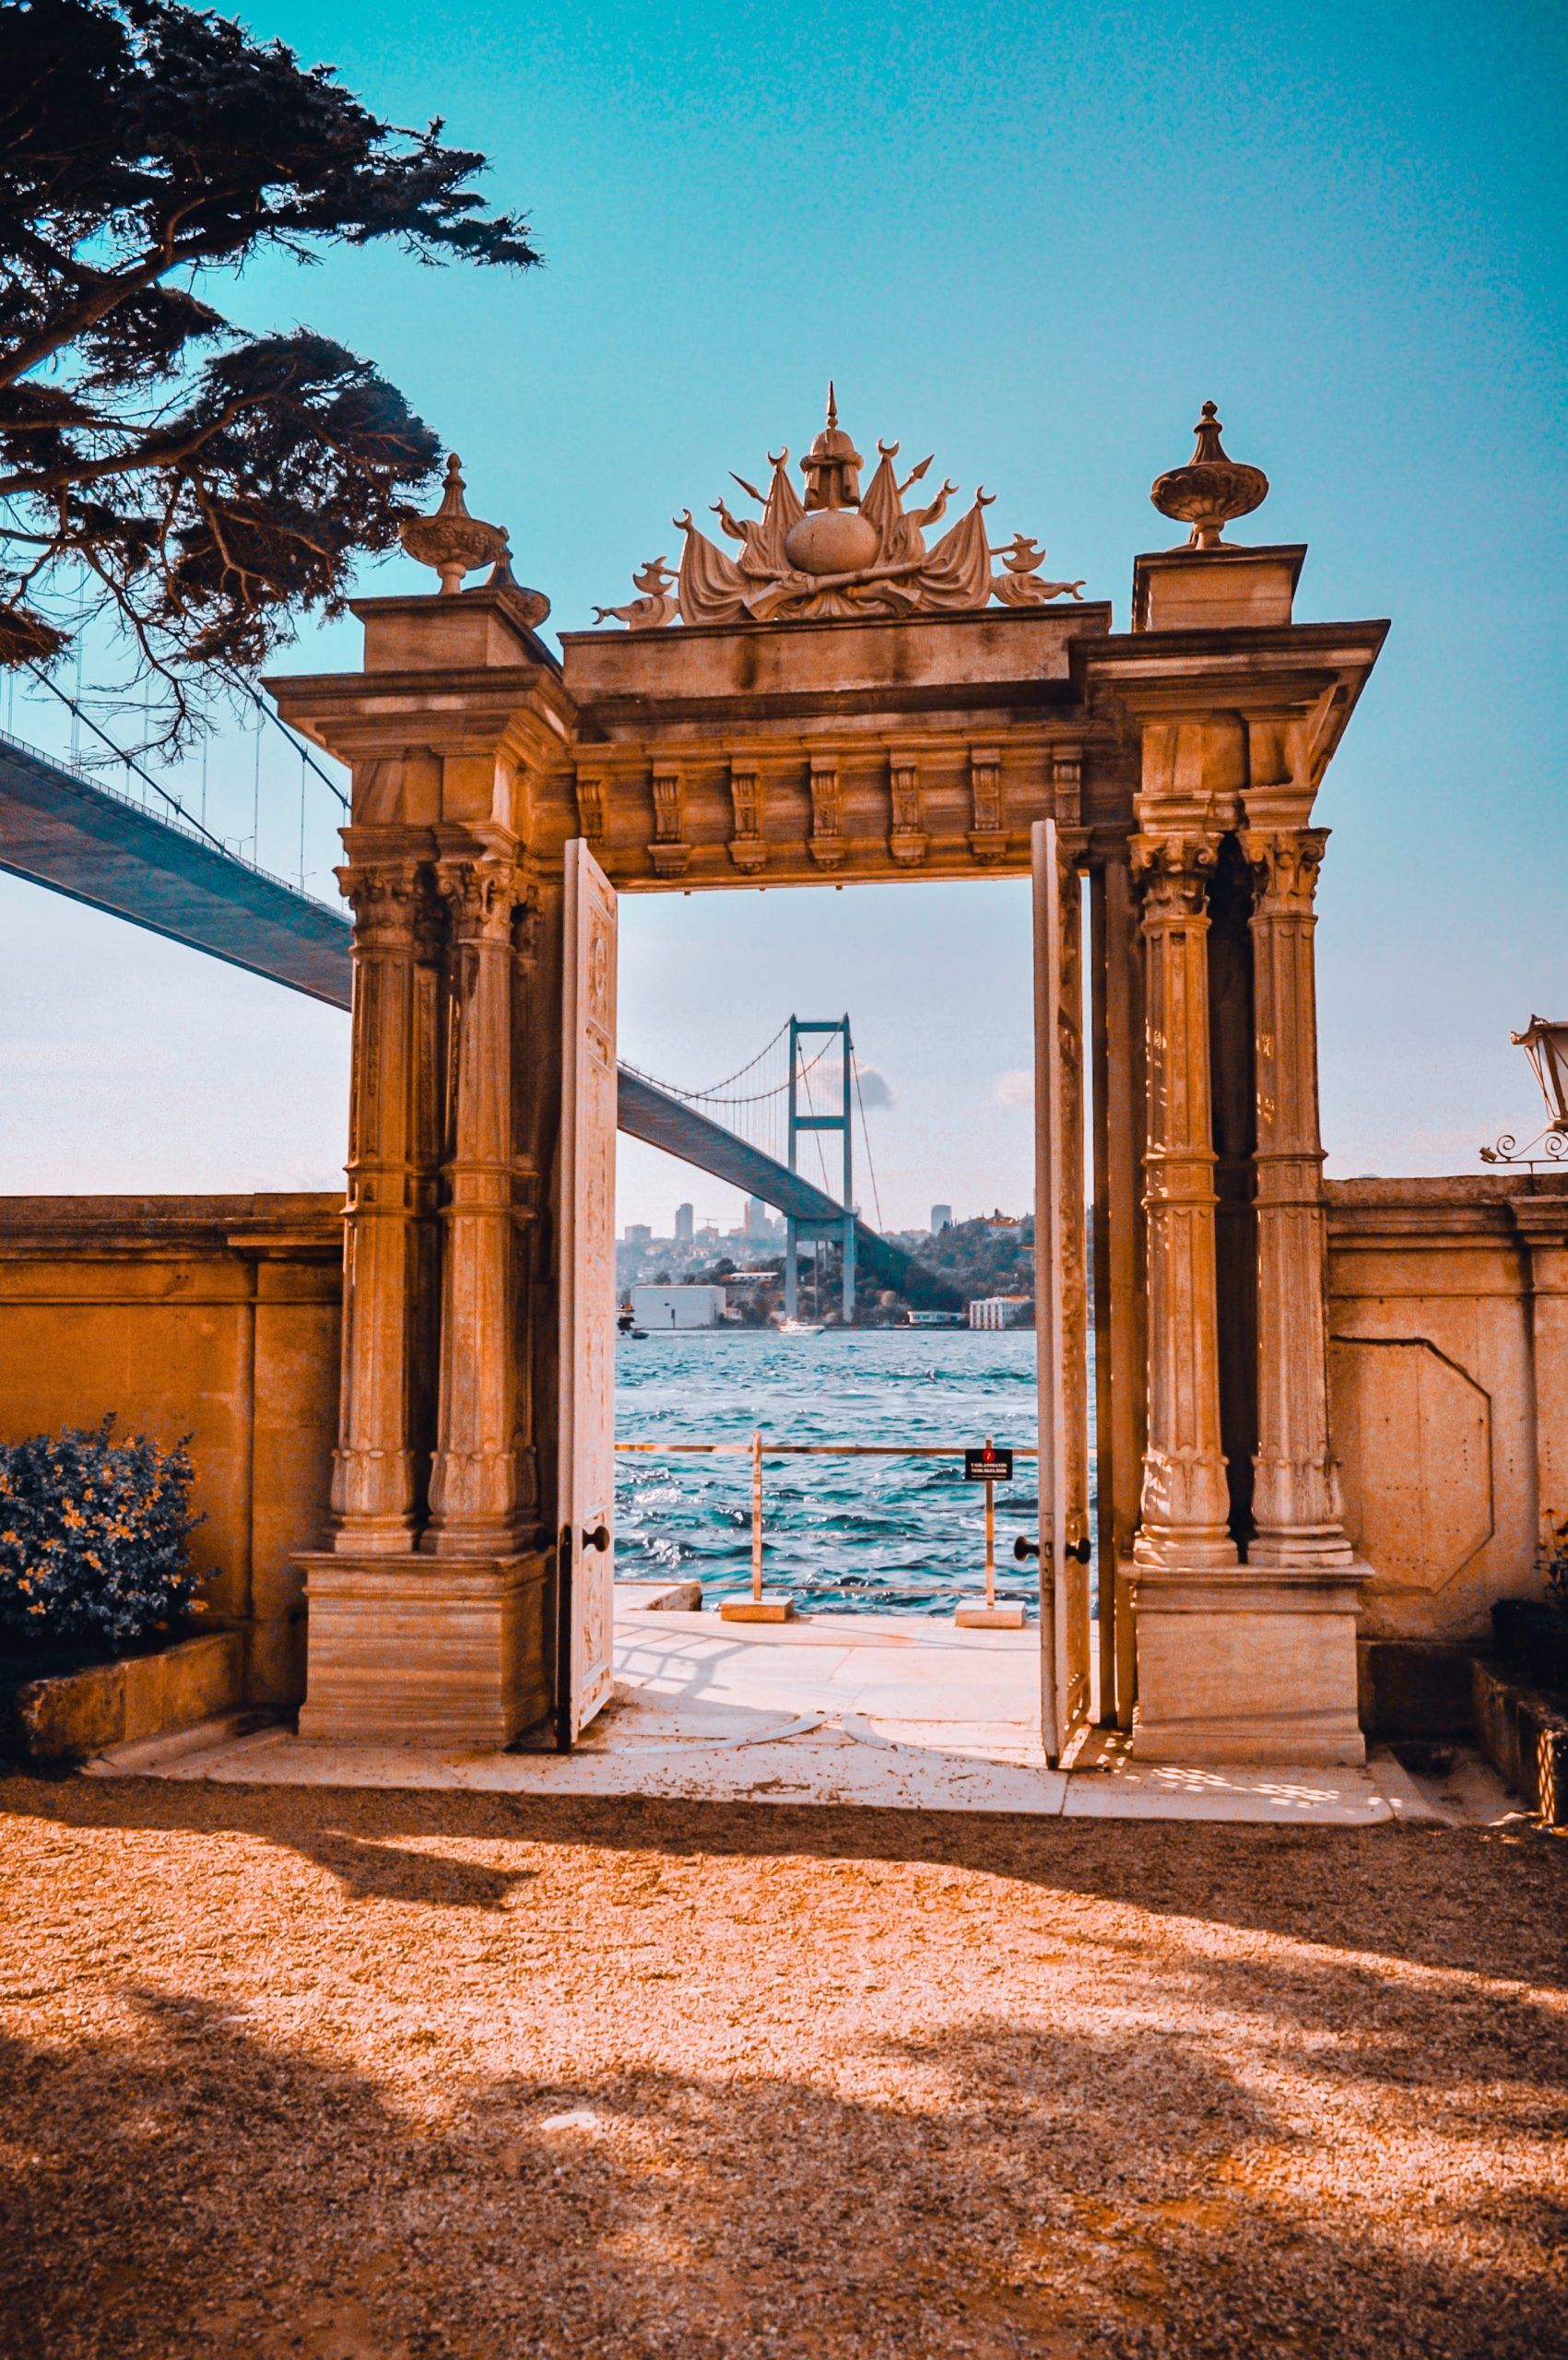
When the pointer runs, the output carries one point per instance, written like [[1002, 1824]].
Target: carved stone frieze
[[590, 787], [746, 849], [907, 841], [987, 837], [669, 851], [1067, 785], [827, 845]]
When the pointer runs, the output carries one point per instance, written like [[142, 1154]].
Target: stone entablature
[[779, 753]]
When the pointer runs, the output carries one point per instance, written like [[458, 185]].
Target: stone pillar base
[[1255, 1666], [446, 1651]]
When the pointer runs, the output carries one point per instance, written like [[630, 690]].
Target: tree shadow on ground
[[180, 2182], [1324, 1886]]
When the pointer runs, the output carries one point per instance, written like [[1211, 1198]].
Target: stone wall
[[217, 1317], [1448, 1361], [212, 1316]]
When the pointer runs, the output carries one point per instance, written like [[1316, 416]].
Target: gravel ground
[[369, 2076]]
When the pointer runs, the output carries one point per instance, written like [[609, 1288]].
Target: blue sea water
[[882, 1535]]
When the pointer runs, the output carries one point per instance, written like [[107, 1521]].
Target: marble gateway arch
[[851, 694]]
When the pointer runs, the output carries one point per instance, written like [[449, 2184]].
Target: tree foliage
[[204, 483]]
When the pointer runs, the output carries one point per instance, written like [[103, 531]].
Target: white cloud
[[1014, 1089]]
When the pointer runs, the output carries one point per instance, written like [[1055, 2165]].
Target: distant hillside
[[978, 1258]]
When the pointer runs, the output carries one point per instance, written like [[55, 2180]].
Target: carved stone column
[[1295, 1495], [1185, 1505], [473, 1480], [1252, 1662], [389, 1198]]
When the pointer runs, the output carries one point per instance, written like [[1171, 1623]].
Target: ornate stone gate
[[840, 702]]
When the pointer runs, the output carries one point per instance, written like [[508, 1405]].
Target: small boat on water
[[797, 1328]]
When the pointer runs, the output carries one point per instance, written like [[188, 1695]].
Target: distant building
[[638, 1234], [683, 1224], [933, 1319], [941, 1218], [1000, 1311], [657, 1308], [758, 1223]]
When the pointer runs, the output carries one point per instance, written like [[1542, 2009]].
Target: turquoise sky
[[1031, 239]]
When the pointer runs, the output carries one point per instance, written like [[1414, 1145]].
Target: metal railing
[[756, 1449]]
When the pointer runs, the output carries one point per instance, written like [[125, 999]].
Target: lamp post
[[1545, 1045]]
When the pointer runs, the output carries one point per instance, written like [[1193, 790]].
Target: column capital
[[1285, 862], [481, 894], [387, 897], [1172, 869]]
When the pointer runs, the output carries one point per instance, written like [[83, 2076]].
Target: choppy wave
[[877, 1535]]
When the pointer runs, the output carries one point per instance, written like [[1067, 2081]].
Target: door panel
[[1060, 1298], [585, 1507]]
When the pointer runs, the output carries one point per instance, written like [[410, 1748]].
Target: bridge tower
[[800, 1029]]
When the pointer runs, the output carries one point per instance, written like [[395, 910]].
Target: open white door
[[1059, 1308], [585, 1502]]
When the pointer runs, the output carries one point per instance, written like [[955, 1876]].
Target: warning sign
[[988, 1465]]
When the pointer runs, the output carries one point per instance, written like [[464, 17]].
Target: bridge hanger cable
[[130, 761], [245, 687], [870, 1165], [816, 1136], [75, 707]]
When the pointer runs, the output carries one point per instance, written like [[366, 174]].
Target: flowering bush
[[93, 1536]]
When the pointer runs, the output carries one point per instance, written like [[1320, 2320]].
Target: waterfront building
[[658, 1308], [1000, 1310]]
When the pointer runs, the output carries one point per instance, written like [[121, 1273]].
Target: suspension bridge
[[166, 871]]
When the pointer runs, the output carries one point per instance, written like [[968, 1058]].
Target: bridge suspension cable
[[79, 713], [234, 849], [760, 1114]]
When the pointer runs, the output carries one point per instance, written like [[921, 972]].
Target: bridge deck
[[82, 839]]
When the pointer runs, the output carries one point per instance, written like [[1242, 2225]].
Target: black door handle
[[1078, 1551], [598, 1538]]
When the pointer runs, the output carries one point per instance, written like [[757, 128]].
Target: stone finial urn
[[453, 542], [1210, 489]]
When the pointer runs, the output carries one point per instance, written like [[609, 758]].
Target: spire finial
[[832, 405]]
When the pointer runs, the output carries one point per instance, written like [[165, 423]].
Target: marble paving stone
[[1274, 1796], [839, 1709]]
